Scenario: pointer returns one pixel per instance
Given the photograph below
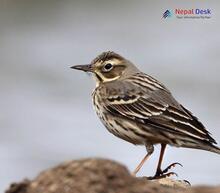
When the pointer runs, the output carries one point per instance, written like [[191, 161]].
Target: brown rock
[[99, 176]]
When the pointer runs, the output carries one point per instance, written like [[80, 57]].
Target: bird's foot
[[164, 173], [155, 177]]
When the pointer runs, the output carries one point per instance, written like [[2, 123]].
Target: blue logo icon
[[167, 14]]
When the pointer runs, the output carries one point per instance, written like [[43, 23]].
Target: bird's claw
[[171, 166], [187, 182]]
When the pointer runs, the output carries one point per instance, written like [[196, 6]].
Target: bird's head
[[108, 66]]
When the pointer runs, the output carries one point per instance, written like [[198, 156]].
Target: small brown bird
[[139, 109]]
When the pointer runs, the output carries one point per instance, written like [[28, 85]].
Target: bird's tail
[[206, 146], [213, 149]]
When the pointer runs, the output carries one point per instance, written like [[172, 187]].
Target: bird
[[141, 110]]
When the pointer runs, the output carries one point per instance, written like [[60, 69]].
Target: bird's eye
[[108, 67]]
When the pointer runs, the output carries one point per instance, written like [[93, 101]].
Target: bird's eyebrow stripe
[[107, 56]]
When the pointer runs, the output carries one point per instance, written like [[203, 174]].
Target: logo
[[167, 14], [192, 13]]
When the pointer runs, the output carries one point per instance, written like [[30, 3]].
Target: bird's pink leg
[[150, 150], [141, 164]]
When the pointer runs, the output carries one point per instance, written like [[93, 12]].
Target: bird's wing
[[157, 108]]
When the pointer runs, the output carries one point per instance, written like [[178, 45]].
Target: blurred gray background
[[46, 113]]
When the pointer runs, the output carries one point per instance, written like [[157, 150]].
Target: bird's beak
[[86, 67]]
